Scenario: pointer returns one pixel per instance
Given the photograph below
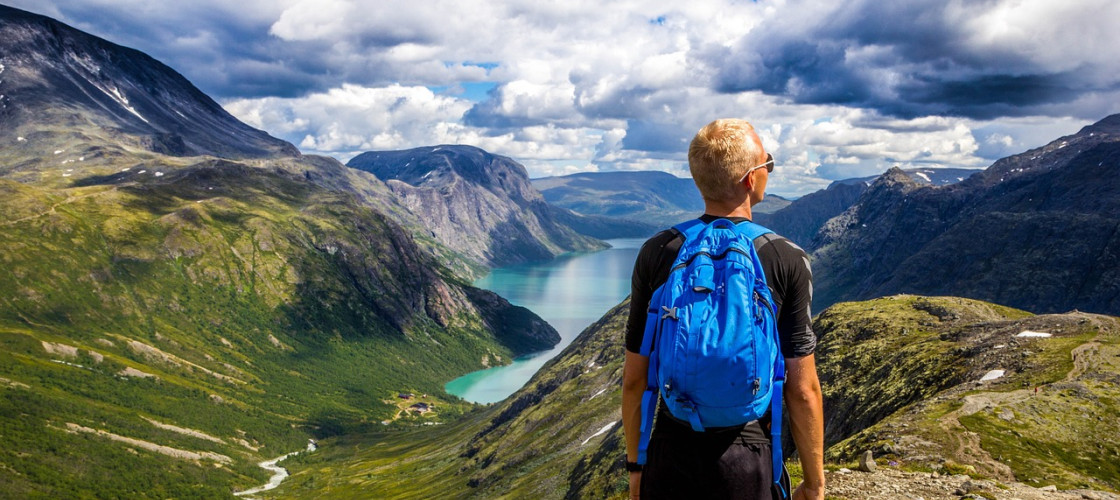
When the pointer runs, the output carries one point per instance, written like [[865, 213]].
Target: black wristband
[[633, 467]]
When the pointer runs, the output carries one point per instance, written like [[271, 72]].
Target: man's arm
[[806, 416], [634, 371]]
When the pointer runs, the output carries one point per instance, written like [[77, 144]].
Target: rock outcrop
[[475, 203]]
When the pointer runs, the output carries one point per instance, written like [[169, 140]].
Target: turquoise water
[[570, 293]]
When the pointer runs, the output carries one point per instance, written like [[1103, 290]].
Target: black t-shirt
[[788, 275]]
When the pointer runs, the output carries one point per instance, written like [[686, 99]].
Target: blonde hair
[[720, 154]]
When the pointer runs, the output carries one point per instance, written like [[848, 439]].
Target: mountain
[[632, 204], [802, 219], [925, 176], [902, 376], [170, 318], [479, 204], [1037, 231], [635, 195], [63, 89]]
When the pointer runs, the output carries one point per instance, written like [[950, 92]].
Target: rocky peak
[[58, 78], [442, 166], [479, 204], [1053, 156]]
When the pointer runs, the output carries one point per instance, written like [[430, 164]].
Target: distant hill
[[658, 199], [479, 204], [1037, 231]]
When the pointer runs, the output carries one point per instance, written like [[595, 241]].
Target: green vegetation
[[1005, 428], [557, 436], [238, 303]]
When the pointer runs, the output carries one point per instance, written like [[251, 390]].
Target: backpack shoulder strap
[[752, 230], [689, 228]]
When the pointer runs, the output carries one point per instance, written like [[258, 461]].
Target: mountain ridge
[[474, 202], [81, 81], [1035, 231]]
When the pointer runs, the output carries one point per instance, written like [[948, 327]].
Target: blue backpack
[[712, 338]]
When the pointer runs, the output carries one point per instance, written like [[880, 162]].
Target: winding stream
[[278, 473]]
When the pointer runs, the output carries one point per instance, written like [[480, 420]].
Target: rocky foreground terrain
[[890, 483]]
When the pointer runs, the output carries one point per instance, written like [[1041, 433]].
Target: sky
[[835, 89]]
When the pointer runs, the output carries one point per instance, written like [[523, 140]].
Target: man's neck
[[723, 209]]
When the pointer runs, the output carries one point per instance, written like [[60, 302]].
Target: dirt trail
[[967, 443]]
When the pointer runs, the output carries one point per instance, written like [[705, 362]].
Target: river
[[569, 292]]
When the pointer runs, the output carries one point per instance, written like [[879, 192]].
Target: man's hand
[[636, 485], [804, 492]]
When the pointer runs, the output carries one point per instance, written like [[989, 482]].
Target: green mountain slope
[[899, 374], [904, 376], [183, 296], [243, 303]]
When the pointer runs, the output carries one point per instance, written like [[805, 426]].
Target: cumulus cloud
[[835, 90]]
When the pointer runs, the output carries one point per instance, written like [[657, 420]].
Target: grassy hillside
[[904, 376], [164, 331], [901, 377]]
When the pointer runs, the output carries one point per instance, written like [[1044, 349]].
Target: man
[[731, 169]]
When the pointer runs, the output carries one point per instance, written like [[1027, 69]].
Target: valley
[[186, 302]]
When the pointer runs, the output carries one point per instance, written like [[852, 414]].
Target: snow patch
[[601, 431], [924, 176], [601, 391], [1001, 346], [159, 174], [21, 139], [992, 375], [115, 93], [67, 363], [58, 151], [1028, 333]]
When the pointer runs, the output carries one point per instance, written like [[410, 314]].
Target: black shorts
[[680, 466]]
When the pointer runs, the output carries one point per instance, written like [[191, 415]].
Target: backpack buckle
[[669, 312]]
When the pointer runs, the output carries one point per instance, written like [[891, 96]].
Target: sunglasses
[[769, 166]]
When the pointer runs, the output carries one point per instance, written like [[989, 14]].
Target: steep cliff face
[[1039, 231], [478, 204]]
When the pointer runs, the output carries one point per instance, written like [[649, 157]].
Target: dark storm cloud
[[226, 55], [906, 59]]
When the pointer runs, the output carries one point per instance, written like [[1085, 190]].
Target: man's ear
[[749, 180]]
